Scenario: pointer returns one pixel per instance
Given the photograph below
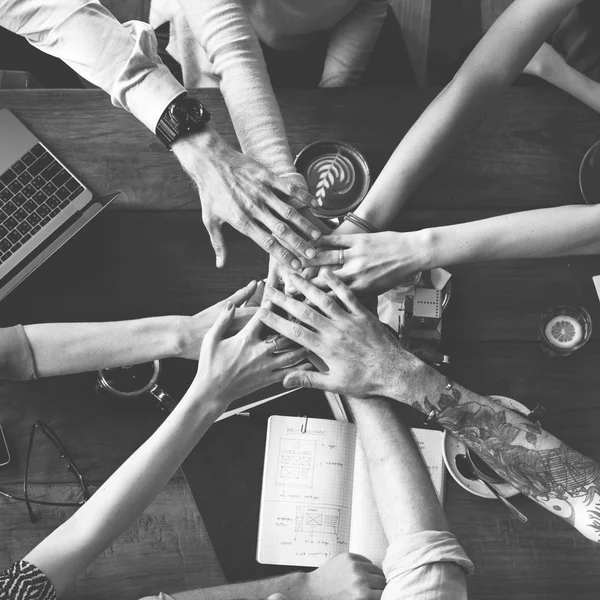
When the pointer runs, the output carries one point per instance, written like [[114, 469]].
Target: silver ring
[[274, 342], [341, 258]]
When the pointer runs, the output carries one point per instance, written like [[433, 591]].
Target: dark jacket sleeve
[[24, 581], [16, 357]]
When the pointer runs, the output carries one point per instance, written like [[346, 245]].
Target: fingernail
[[262, 313], [316, 202], [296, 264], [315, 234], [219, 262], [326, 273], [229, 305], [289, 383], [291, 290], [251, 283], [311, 253], [269, 290]]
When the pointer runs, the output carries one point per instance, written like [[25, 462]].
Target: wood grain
[[140, 260]]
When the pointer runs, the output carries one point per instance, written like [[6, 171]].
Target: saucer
[[453, 446]]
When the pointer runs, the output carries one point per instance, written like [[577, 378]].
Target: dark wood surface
[[141, 260]]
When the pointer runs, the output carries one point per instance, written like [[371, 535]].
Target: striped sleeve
[[24, 581]]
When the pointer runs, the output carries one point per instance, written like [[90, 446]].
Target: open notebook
[[316, 495]]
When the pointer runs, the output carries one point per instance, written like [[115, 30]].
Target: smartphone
[[4, 452]]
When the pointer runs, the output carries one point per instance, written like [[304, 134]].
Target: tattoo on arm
[[539, 465]]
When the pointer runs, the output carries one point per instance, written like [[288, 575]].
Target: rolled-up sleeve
[[16, 357], [429, 565], [121, 59]]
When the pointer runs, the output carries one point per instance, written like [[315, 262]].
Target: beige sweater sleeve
[[352, 42], [224, 30]]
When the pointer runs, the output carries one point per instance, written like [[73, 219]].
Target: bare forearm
[[63, 348], [565, 230], [535, 462], [488, 70], [111, 510], [405, 496], [290, 585]]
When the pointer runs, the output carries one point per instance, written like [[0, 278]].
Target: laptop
[[42, 203]]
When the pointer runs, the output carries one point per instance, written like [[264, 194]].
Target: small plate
[[453, 446]]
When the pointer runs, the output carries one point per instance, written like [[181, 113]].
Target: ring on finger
[[341, 257], [274, 342]]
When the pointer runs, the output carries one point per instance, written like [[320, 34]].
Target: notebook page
[[307, 491], [366, 531]]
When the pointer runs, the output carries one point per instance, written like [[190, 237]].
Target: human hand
[[230, 368], [363, 356], [280, 274], [193, 329], [546, 61], [235, 189], [370, 262], [346, 577]]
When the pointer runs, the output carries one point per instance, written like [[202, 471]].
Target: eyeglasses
[[67, 461]]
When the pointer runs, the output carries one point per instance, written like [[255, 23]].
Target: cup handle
[[165, 402]]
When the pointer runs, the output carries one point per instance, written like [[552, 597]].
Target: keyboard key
[[3, 231], [54, 213], [5, 245], [15, 186], [14, 236], [51, 171], [74, 194], [30, 206], [72, 185], [28, 191], [9, 208], [5, 194], [25, 178], [38, 182], [61, 178], [26, 237], [34, 219], [37, 150], [39, 198], [62, 193], [36, 229], [16, 246], [53, 202], [63, 204], [3, 216], [19, 167], [43, 211], [10, 223], [40, 164], [24, 228], [9, 176], [45, 220], [29, 158], [20, 215], [19, 200], [49, 189], [6, 255]]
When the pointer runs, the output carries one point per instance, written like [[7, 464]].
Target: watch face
[[189, 109]]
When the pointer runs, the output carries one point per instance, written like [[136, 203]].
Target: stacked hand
[[243, 363], [369, 262], [237, 190], [363, 356]]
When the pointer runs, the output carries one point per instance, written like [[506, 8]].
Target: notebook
[[316, 499]]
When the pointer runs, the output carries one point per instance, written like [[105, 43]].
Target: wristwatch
[[183, 116]]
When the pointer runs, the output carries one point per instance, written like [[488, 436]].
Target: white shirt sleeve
[[223, 29], [352, 42], [121, 59]]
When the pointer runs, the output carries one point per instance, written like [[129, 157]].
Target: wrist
[[425, 248], [412, 381], [296, 586], [202, 144]]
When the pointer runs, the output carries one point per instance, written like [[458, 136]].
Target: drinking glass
[[564, 329]]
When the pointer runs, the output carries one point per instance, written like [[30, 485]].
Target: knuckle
[[288, 213], [280, 229], [307, 314], [269, 242], [297, 331]]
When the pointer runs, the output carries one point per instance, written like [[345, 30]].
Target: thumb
[[244, 294], [305, 379], [218, 242], [222, 322], [277, 597]]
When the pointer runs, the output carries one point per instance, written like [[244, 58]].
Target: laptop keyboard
[[32, 193]]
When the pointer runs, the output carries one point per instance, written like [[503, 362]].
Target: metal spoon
[[465, 468]]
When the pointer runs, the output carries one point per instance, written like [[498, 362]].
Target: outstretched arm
[[365, 359], [228, 369], [492, 66]]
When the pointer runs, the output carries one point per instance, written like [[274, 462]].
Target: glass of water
[[564, 329]]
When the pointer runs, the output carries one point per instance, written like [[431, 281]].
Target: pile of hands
[[274, 212]]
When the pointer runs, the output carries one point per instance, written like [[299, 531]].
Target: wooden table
[[141, 259]]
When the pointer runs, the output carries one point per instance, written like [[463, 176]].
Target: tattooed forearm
[[532, 460]]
